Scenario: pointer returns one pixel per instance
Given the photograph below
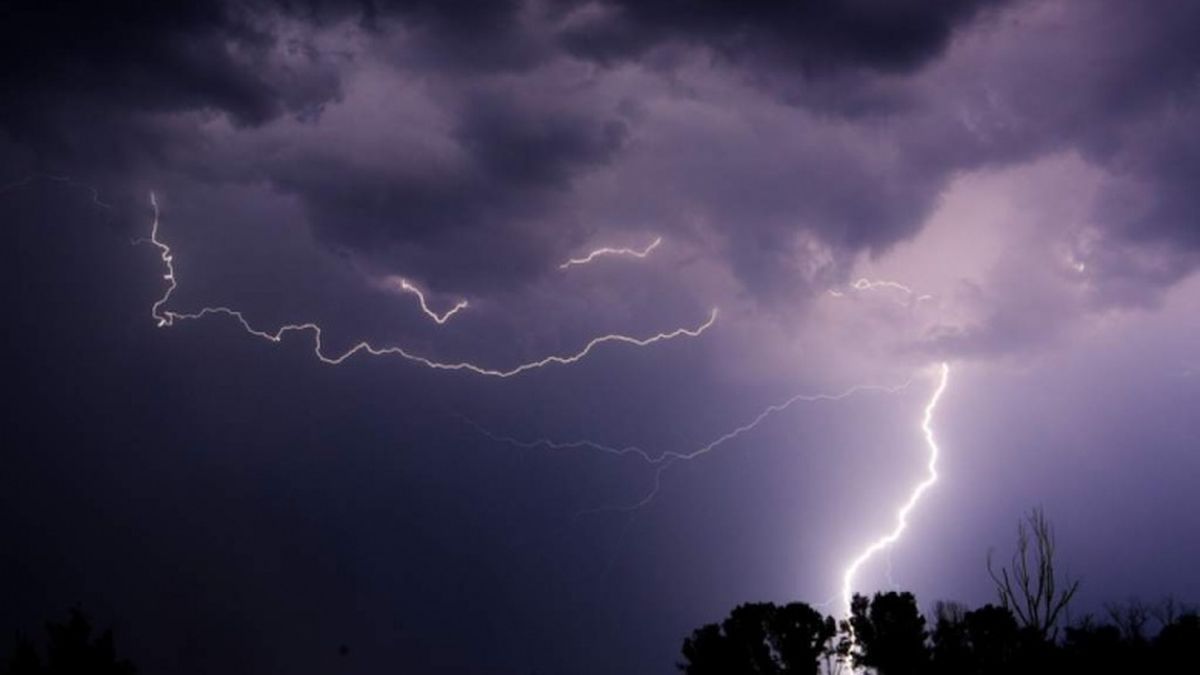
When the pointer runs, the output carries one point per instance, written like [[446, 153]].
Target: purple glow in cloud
[[1004, 186]]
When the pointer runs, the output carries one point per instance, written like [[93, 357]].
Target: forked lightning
[[166, 317]]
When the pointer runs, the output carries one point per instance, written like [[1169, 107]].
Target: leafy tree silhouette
[[888, 634], [804, 636], [986, 641], [888, 638], [70, 650], [1095, 648], [951, 647], [1177, 645], [761, 638]]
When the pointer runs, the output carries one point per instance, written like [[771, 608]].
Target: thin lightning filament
[[166, 317]]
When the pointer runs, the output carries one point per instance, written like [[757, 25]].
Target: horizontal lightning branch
[[65, 180], [166, 317], [634, 253], [662, 461], [863, 284]]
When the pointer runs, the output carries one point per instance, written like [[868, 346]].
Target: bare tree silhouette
[[1029, 586]]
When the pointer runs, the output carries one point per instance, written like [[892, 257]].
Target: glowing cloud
[[612, 251], [166, 318]]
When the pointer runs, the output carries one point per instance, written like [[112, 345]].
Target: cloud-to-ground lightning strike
[[612, 251], [440, 319], [166, 317], [662, 461], [892, 537]]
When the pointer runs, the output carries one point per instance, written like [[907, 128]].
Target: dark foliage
[[888, 635], [761, 638], [70, 650], [985, 641]]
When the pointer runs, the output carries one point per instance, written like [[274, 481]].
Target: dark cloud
[[1122, 88], [814, 36], [838, 123], [252, 509], [534, 149], [462, 36], [152, 58], [1116, 85], [484, 217]]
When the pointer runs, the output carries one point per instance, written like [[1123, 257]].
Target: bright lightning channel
[[439, 319], [635, 253], [662, 461], [166, 318], [886, 541]]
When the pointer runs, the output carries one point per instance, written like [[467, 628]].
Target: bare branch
[[1030, 586]]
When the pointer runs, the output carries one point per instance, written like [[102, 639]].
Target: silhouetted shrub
[[70, 650]]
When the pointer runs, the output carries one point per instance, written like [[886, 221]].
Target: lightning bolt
[[864, 284], [166, 318], [405, 286], [663, 460], [612, 251], [892, 537]]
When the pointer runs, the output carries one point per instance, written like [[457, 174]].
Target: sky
[[808, 208]]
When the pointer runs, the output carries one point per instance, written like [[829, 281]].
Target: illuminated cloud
[[1006, 187]]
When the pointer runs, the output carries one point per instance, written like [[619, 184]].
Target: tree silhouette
[[761, 638], [986, 641], [951, 646], [803, 636], [1177, 645], [888, 634], [70, 650], [1029, 586], [1096, 647]]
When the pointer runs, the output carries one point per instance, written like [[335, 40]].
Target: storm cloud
[[787, 133], [860, 187]]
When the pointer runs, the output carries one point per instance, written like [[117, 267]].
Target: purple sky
[[864, 189]]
